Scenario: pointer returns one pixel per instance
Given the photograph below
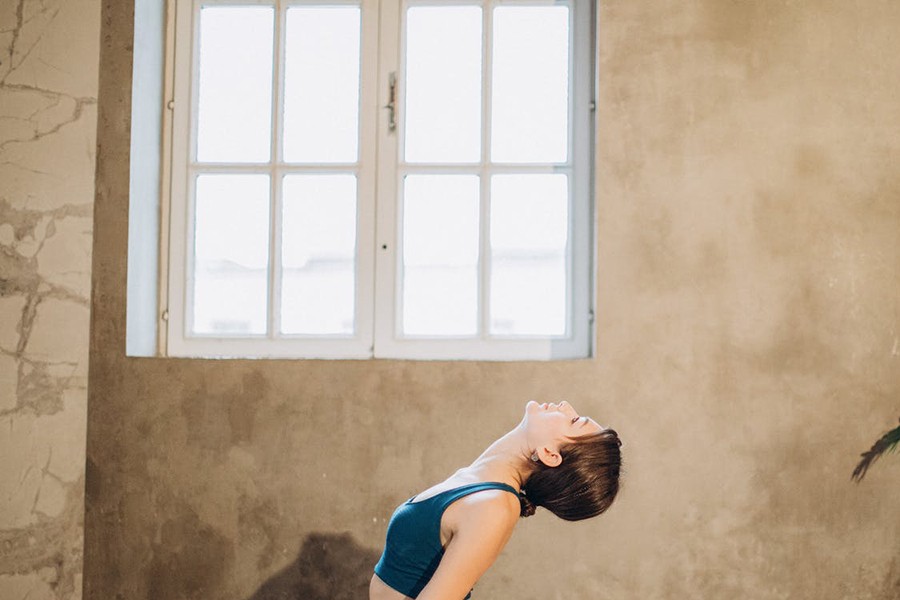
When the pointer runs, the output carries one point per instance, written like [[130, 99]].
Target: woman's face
[[551, 425]]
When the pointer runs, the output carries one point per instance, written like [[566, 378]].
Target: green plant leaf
[[887, 443]]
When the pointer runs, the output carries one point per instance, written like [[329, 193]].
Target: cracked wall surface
[[48, 89], [748, 326]]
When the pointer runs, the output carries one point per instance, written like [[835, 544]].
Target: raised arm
[[485, 523]]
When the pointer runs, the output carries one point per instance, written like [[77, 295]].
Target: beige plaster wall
[[748, 271], [48, 86]]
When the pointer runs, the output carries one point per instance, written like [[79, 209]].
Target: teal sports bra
[[412, 551]]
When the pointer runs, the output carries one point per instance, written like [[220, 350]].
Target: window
[[406, 179]]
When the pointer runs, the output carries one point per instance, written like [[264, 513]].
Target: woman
[[440, 542]]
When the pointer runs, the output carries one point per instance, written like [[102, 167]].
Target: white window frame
[[379, 173]]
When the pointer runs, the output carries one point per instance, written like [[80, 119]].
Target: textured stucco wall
[[48, 87], [748, 349]]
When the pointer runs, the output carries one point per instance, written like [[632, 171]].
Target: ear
[[549, 457]]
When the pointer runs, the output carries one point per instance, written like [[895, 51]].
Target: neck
[[507, 460]]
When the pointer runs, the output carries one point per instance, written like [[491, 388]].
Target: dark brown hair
[[583, 486]]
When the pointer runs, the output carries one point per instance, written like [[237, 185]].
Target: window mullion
[[573, 186], [485, 174], [366, 170], [188, 258], [582, 224], [387, 238], [275, 183]]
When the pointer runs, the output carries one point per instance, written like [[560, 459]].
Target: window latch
[[391, 106]]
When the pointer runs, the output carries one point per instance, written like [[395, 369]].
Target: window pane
[[321, 88], [530, 84], [443, 84], [231, 254], [318, 254], [529, 230], [440, 255], [235, 97]]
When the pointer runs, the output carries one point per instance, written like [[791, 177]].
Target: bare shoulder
[[481, 524], [496, 510]]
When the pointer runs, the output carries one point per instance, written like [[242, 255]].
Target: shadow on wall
[[329, 567]]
